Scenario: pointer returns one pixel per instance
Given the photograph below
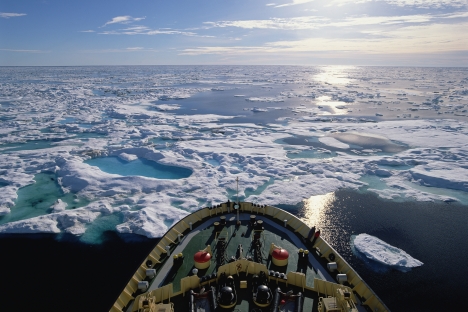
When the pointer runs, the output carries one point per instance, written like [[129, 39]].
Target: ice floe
[[264, 99], [258, 109], [59, 205], [333, 142], [128, 157], [167, 107], [375, 249], [58, 127]]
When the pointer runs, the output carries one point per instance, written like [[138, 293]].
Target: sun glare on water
[[315, 207], [334, 75]]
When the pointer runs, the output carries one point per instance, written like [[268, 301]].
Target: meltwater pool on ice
[[139, 167]]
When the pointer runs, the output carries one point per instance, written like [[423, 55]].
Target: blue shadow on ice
[[139, 167], [357, 145]]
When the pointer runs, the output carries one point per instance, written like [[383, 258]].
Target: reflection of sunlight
[[315, 207], [334, 107], [334, 75]]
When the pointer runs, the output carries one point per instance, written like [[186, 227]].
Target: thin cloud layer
[[24, 51], [314, 22], [429, 3], [122, 50], [412, 39], [295, 2], [247, 32], [124, 20], [418, 4], [8, 15], [143, 30]]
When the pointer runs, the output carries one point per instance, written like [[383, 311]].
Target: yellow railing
[[329, 288], [171, 238]]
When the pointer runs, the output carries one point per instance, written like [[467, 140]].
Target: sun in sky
[[285, 32]]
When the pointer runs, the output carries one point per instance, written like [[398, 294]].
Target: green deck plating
[[235, 236], [241, 245]]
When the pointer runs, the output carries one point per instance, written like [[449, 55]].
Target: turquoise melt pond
[[139, 167]]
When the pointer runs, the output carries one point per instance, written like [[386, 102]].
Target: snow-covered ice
[[126, 113], [333, 142], [167, 107], [59, 206], [127, 157], [379, 251]]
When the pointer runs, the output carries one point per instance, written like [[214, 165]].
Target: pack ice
[[146, 114], [377, 250]]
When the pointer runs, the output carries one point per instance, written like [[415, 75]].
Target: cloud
[[124, 20], [143, 30], [8, 15], [124, 50], [294, 23], [315, 22], [423, 4], [87, 31], [25, 51], [345, 2], [236, 50], [295, 2], [429, 3], [171, 32], [382, 20], [455, 15], [137, 28], [410, 39]]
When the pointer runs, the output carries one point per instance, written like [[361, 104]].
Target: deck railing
[[358, 286]]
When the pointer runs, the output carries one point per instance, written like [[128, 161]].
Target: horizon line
[[309, 65]]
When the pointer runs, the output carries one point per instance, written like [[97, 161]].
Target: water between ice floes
[[322, 125], [427, 231], [37, 199]]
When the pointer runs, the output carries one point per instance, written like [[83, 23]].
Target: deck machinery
[[251, 259]]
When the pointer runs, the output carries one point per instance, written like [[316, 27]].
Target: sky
[[234, 32]]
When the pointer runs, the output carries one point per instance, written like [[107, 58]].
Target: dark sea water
[[45, 108], [43, 273], [432, 232], [53, 273]]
